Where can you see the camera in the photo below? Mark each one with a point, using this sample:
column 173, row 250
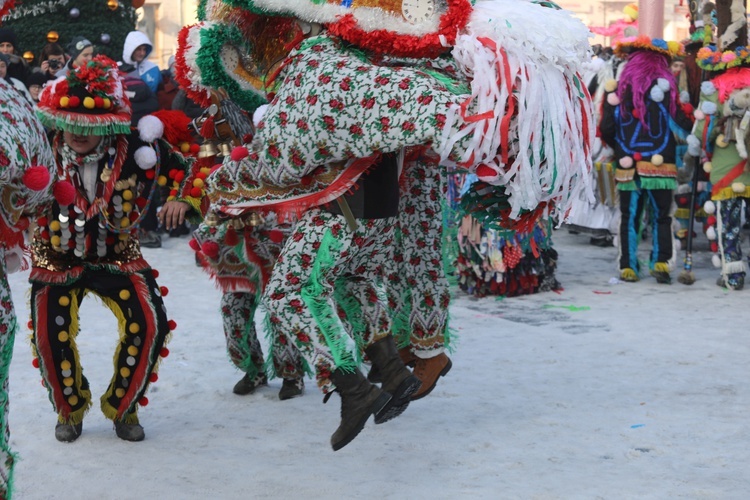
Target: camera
column 54, row 64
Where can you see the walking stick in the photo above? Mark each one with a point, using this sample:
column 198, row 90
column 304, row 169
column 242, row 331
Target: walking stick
column 687, row 276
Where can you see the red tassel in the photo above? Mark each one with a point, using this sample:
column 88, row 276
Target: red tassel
column 207, row 129
column 231, row 238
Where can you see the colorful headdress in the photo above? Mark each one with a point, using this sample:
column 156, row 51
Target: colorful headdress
column 629, row 45
column 710, row 58
column 90, row 100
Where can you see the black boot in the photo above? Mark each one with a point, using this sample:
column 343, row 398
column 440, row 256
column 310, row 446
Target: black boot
column 67, row 433
column 291, row 388
column 129, row 432
column 359, row 400
column 397, row 379
column 248, row 384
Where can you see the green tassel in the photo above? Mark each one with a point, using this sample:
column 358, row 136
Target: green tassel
column 627, row 186
column 353, row 311
column 652, row 183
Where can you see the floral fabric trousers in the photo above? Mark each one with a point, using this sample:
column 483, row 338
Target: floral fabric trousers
column 418, row 291
column 729, row 225
column 326, row 290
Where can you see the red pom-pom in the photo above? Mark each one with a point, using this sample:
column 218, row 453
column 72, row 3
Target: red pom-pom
column 172, row 324
column 193, row 243
column 173, row 192
column 201, row 176
column 41, row 221
column 179, row 176
column 150, row 174
column 164, row 352
column 231, row 238
column 194, row 148
column 141, row 202
column 172, row 173
column 711, row 220
column 164, row 291
column 636, row 114
column 714, row 246
column 45, row 234
column 682, row 200
column 485, row 171
column 98, row 102
column 196, row 192
column 64, row 193
column 36, row 178
column 210, row 249
column 637, row 156
column 155, row 273
column 143, row 401
column 275, row 235
column 30, row 325
column 153, row 377
column 133, row 216
column 74, row 101
column 239, row 153
column 35, row 362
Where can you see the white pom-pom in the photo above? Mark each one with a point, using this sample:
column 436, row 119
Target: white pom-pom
column 716, row 261
column 707, row 167
column 684, row 97
column 657, row 160
column 613, row 100
column 711, row 233
column 258, row 114
column 708, row 88
column 699, row 115
column 657, row 94
column 708, row 107
column 721, row 141
column 626, row 162
column 150, row 128
column 683, row 189
column 610, row 85
column 709, row 207
column 738, row 187
column 145, row 157
column 663, row 84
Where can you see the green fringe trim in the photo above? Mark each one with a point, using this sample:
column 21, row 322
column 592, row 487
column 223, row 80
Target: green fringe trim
column 109, row 126
column 324, row 315
column 353, row 310
column 627, row 186
column 658, row 183
column 455, row 87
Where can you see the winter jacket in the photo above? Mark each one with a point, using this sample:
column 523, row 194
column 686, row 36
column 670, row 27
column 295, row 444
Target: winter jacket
column 145, row 70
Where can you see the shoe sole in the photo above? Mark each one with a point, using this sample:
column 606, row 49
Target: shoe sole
column 402, row 396
column 377, row 406
column 429, row 389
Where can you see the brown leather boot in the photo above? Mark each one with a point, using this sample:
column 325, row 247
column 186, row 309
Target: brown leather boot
column 397, row 379
column 428, row 371
column 407, row 357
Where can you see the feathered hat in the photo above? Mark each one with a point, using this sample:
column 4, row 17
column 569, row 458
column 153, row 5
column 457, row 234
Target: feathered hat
column 631, row 44
column 710, row 58
column 89, row 101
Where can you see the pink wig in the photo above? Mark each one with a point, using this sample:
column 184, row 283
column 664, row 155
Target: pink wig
column 640, row 74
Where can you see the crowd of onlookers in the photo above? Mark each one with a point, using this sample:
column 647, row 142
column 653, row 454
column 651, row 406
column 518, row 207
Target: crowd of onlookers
column 149, row 88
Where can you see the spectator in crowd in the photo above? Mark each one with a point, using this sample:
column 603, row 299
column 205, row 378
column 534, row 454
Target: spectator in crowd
column 80, row 51
column 51, row 60
column 17, row 66
column 135, row 52
column 168, row 87
column 36, row 81
column 15, row 82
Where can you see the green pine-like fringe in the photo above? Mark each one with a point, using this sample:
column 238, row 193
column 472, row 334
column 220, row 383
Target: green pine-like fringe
column 353, row 311
column 109, row 126
column 326, row 318
column 627, row 186
column 658, row 183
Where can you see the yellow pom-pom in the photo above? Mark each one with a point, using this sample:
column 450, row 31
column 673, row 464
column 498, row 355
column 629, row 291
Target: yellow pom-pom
column 127, row 195
column 674, row 47
column 54, row 225
column 161, row 180
column 707, row 167
column 738, row 187
column 125, row 372
column 205, row 170
column 88, row 103
column 68, row 381
column 64, row 101
column 198, row 183
column 63, row 336
column 657, row 160
column 721, row 142
column 64, row 301
column 55, row 240
column 120, row 392
column 185, row 147
column 73, row 400
column 124, row 222
column 127, row 207
column 107, row 103
column 134, row 328
column 65, row 365
column 610, row 85
column 132, row 350
column 123, row 237
column 631, row 10
column 124, row 294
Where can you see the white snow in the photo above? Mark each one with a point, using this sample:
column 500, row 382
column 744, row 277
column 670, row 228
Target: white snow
column 644, row 395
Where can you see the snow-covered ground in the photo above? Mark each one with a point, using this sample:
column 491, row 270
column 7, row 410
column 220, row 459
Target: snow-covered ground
column 601, row 391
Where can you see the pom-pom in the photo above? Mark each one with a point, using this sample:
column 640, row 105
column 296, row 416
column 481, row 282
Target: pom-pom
column 663, row 84
column 64, row 193
column 613, row 100
column 713, row 246
column 193, row 243
column 35, row 362
column 626, row 162
column 694, row 145
column 716, row 261
column 657, row 94
column 711, row 220
column 258, row 114
column 210, row 249
column 699, row 115
column 143, row 401
column 685, row 97
column 172, row 325
column 708, row 88
column 711, row 233
column 155, row 273
column 657, row 160
column 153, row 378
column 275, row 235
column 239, row 153
column 164, row 291
column 610, row 85
column 708, row 107
column 738, row 187
column 74, row 101
column 709, row 207
column 637, row 156
column 145, row 157
column 36, row 178
column 150, row 128
column 707, row 167
column 194, row 148
column 195, row 192
column 721, row 141
column 164, row 352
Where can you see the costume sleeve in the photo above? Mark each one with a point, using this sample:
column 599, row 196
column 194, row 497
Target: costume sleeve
column 608, row 125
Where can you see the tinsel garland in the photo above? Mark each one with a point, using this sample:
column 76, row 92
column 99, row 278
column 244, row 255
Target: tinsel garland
column 37, row 9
